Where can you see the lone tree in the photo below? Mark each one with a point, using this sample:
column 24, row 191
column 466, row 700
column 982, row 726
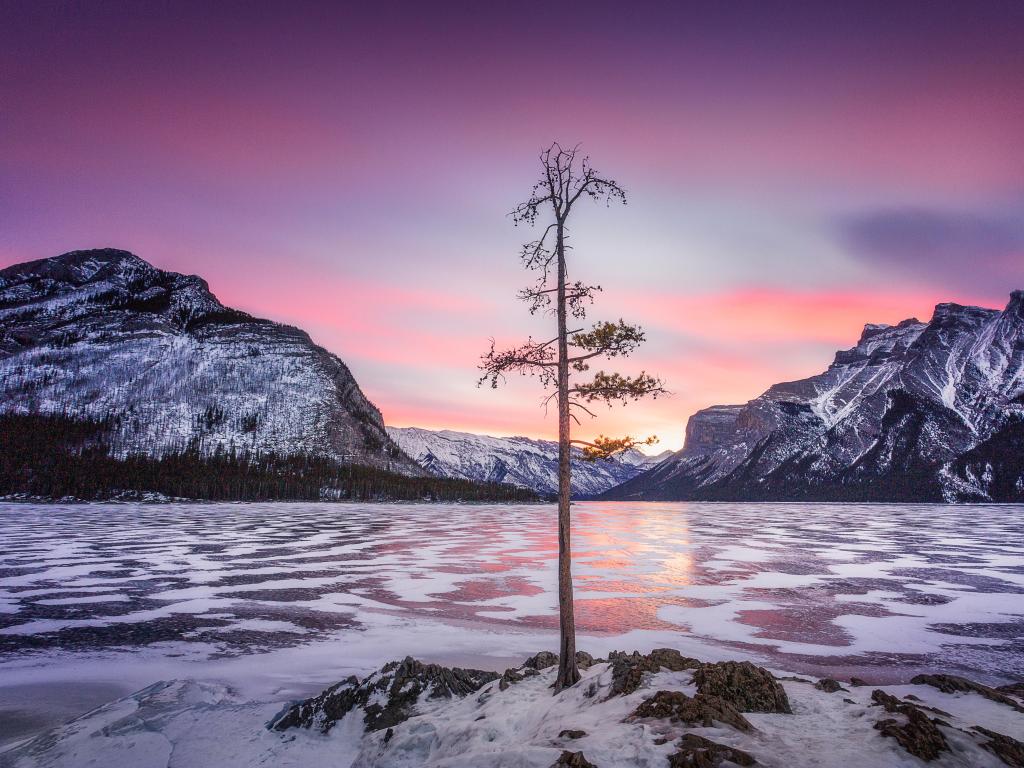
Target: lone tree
column 566, row 178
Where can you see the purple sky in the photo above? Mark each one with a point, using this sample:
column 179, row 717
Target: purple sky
column 795, row 170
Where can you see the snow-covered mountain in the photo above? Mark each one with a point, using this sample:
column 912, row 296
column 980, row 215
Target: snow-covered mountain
column 102, row 333
column 518, row 461
column 915, row 411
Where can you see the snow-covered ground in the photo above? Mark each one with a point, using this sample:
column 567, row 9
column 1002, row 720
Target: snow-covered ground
column 261, row 604
column 194, row 725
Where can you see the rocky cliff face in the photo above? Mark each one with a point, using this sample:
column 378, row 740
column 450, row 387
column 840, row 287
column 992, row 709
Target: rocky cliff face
column 518, row 461
column 102, row 333
column 916, row 411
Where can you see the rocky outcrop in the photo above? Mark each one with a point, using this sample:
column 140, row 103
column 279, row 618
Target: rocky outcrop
column 628, row 669
column 702, row 709
column 386, row 698
column 1006, row 748
column 1013, row 689
column 697, row 752
column 916, row 733
column 747, row 687
column 541, row 660
column 955, row 684
column 572, row 760
column 828, row 685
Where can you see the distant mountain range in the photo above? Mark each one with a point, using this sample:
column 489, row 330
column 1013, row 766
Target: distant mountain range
column 102, row 333
column 914, row 412
column 518, row 461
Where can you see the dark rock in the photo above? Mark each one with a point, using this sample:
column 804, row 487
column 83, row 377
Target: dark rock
column 705, row 709
column 570, row 733
column 627, row 673
column 747, row 687
column 1014, row 689
column 1007, row 749
column 671, row 659
column 889, row 702
column 584, row 660
column 697, row 752
column 955, row 684
column 572, row 760
column 919, row 735
column 509, row 677
column 856, row 682
column 542, row 660
column 401, row 684
column 546, row 660
column 322, row 711
column 892, row 704
column 828, row 685
column 628, row 669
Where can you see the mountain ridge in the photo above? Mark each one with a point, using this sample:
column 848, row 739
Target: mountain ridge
column 917, row 411
column 521, row 461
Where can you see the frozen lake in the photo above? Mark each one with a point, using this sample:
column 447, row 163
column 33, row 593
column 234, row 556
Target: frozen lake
column 283, row 598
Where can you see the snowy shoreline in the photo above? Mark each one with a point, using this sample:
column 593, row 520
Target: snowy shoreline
column 634, row 710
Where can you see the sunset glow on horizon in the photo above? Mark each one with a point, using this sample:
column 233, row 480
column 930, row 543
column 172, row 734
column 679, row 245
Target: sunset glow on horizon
column 793, row 173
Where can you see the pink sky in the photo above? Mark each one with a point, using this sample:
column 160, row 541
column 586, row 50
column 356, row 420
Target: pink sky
column 793, row 172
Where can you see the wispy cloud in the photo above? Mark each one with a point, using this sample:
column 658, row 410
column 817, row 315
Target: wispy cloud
column 962, row 251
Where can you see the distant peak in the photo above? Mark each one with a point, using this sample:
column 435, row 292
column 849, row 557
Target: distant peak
column 950, row 311
column 103, row 255
column 872, row 330
column 81, row 267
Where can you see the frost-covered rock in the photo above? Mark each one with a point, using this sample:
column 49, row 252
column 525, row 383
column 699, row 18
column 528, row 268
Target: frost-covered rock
column 914, row 412
column 744, row 685
column 698, row 752
column 103, row 333
column 915, row 731
column 519, row 461
column 702, row 709
column 957, row 684
column 385, row 698
column 628, row 669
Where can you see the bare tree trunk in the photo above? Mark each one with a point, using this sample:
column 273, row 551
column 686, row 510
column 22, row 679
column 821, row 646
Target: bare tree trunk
column 568, row 673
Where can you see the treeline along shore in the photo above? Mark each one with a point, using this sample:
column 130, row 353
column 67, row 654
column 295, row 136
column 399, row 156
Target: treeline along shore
column 51, row 456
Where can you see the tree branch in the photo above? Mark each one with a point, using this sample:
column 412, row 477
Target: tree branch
column 609, row 387
column 530, row 359
column 607, row 447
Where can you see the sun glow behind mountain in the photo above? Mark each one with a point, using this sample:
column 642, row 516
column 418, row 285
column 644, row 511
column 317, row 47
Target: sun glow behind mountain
column 351, row 172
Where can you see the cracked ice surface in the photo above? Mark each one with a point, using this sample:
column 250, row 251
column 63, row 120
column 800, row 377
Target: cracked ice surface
column 280, row 597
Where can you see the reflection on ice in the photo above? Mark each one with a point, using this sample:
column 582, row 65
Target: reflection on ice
column 868, row 585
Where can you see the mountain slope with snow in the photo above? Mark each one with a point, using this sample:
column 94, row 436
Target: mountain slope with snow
column 519, row 461
column 914, row 412
column 102, row 333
